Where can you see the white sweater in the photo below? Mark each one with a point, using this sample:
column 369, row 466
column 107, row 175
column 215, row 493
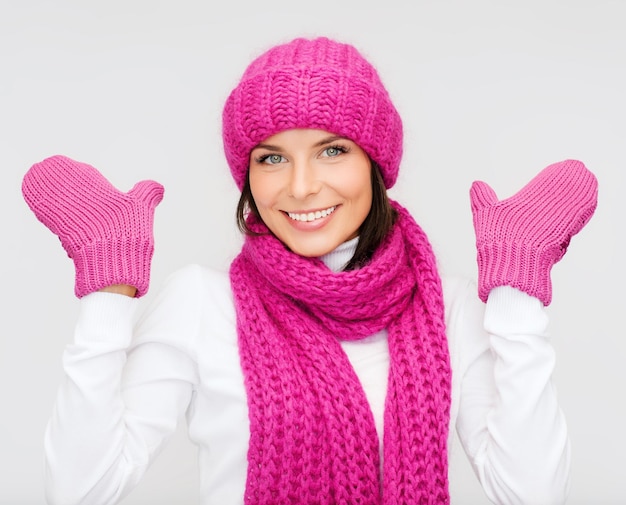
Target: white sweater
column 127, row 386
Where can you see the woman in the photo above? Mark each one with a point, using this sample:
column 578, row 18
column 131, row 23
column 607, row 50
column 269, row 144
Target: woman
column 332, row 364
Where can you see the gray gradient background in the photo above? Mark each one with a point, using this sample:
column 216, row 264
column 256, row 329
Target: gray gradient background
column 488, row 90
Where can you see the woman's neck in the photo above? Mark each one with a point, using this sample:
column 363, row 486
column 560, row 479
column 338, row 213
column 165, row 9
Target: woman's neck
column 337, row 259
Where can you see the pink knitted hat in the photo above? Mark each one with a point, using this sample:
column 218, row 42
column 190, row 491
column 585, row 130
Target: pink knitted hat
column 319, row 84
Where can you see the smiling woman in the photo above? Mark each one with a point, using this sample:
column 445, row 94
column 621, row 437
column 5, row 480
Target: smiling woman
column 373, row 228
column 312, row 189
column 332, row 363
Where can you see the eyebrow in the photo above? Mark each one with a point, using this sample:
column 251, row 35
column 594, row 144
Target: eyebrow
column 322, row 142
column 269, row 147
column 329, row 140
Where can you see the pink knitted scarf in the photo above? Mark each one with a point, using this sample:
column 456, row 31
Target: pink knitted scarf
column 312, row 433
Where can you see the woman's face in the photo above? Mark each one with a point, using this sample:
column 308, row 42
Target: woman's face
column 311, row 188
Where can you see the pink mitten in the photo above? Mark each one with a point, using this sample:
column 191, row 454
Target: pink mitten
column 520, row 238
column 107, row 233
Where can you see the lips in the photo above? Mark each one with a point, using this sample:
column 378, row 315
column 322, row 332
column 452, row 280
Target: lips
column 312, row 215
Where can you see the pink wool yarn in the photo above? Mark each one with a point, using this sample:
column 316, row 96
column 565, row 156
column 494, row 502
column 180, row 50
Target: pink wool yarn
column 317, row 83
column 312, row 433
column 107, row 233
column 519, row 239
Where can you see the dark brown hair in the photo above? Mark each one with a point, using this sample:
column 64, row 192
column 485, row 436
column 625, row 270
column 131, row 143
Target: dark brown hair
column 373, row 230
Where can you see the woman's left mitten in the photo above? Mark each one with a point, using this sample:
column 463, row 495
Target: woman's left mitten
column 519, row 239
column 108, row 234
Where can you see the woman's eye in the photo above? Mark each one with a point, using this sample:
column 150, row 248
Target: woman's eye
column 333, row 151
column 271, row 159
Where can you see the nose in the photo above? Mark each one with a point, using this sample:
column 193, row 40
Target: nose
column 303, row 180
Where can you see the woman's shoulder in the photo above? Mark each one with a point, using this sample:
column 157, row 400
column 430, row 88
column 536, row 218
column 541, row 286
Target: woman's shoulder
column 457, row 289
column 193, row 301
column 464, row 310
column 195, row 289
column 199, row 276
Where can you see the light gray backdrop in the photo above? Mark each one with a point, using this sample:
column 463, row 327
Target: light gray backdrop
column 488, row 90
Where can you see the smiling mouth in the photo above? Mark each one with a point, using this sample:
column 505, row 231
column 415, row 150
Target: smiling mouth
column 311, row 216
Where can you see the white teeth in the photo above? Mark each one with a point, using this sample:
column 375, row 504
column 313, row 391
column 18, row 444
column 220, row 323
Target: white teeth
column 311, row 216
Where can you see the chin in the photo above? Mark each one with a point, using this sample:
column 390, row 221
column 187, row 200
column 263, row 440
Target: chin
column 311, row 250
column 308, row 252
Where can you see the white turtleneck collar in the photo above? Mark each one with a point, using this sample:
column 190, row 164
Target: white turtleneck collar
column 337, row 259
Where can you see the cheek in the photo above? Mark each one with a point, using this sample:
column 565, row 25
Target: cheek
column 365, row 202
column 363, row 194
column 261, row 189
column 356, row 185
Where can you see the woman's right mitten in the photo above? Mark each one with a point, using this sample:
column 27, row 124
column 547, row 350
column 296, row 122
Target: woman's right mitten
column 107, row 233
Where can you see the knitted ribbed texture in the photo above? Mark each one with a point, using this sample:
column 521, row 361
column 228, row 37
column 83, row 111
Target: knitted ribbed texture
column 319, row 84
column 312, row 433
column 107, row 233
column 519, row 239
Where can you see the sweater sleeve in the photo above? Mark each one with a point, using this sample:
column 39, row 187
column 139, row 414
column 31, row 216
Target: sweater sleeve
column 509, row 421
column 124, row 391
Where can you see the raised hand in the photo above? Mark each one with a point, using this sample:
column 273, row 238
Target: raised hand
column 107, row 233
column 519, row 239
